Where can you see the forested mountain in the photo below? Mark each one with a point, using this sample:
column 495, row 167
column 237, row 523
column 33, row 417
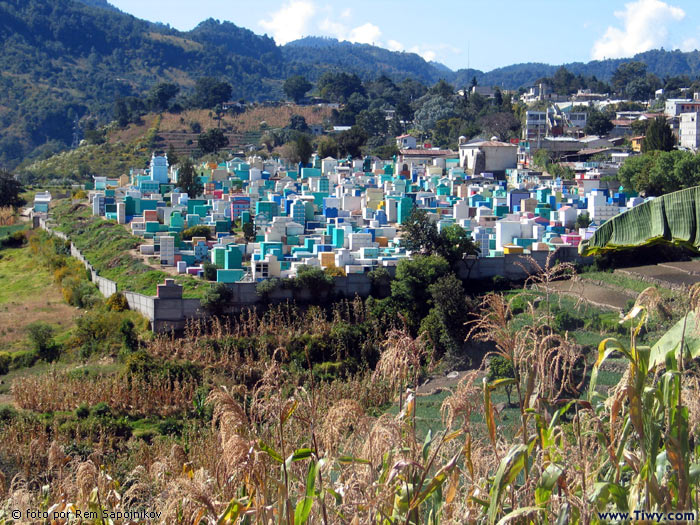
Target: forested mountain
column 65, row 62
column 312, row 56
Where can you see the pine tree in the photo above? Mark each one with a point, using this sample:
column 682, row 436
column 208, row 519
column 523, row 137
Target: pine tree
column 659, row 136
column 188, row 180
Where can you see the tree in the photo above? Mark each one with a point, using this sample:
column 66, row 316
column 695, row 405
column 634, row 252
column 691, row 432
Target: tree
column 626, row 73
column 597, row 123
column 454, row 244
column 208, row 92
column 410, row 289
column 249, row 231
column 419, row 233
column 188, row 180
column 212, row 141
column 583, row 220
column 300, row 149
column 659, row 136
column 209, row 271
column 217, row 298
column 41, row 335
column 327, row 147
column 172, row 156
column 373, row 121
column 160, row 96
column 121, row 113
column 444, row 325
column 10, row 189
column 338, row 87
column 503, row 124
column 350, row 141
column 298, row 123
column 295, row 87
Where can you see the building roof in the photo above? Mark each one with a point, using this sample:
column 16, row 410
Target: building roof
column 404, row 136
column 487, row 144
column 426, row 152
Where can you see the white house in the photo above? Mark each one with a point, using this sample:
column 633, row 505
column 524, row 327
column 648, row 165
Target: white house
column 487, row 156
column 406, row 142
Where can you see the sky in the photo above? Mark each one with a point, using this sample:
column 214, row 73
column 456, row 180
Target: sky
column 458, row 33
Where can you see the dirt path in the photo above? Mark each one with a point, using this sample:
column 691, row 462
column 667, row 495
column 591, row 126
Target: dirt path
column 437, row 383
column 676, row 276
column 592, row 293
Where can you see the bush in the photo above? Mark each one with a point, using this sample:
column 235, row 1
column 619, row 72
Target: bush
column 14, row 240
column 117, row 302
column 381, row 282
column 24, row 359
column 564, row 321
column 335, row 271
column 5, row 361
column 79, row 292
column 101, row 409
column 130, row 340
column 313, row 279
column 217, row 299
column 41, row 336
column 7, row 413
column 82, row 411
column 196, row 231
column 209, row 271
column 267, row 286
column 170, row 427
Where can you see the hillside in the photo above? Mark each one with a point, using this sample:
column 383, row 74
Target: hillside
column 65, row 62
column 131, row 147
column 312, row 56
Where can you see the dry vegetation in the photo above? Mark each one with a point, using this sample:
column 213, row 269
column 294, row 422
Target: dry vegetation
column 272, row 443
column 8, row 215
column 249, row 121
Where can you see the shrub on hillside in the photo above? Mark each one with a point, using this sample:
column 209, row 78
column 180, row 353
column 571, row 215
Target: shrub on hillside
column 41, row 336
column 5, row 361
column 14, row 240
column 117, row 302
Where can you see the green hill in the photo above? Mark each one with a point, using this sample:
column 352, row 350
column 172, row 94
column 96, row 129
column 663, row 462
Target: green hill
column 64, row 63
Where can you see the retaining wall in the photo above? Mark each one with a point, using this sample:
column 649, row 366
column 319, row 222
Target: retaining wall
column 172, row 312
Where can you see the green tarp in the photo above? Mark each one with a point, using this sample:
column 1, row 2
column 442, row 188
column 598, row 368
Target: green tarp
column 671, row 218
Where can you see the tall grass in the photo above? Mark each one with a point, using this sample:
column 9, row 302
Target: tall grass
column 284, row 448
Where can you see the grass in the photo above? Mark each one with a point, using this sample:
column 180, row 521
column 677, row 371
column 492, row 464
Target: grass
column 6, row 231
column 106, row 245
column 625, row 282
column 29, row 294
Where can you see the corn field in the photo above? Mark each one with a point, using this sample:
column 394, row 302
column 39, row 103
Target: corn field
column 288, row 449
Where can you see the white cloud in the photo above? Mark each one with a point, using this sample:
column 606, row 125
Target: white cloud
column 290, row 22
column 346, row 13
column 332, row 28
column 365, row 34
column 644, row 27
column 427, row 54
column 690, row 44
column 393, row 45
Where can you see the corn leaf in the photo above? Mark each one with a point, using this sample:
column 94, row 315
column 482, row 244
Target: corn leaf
column 303, row 508
column 509, row 468
column 270, row 451
column 519, row 514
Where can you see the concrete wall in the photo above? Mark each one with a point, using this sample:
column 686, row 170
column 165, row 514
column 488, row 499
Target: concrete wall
column 172, row 311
